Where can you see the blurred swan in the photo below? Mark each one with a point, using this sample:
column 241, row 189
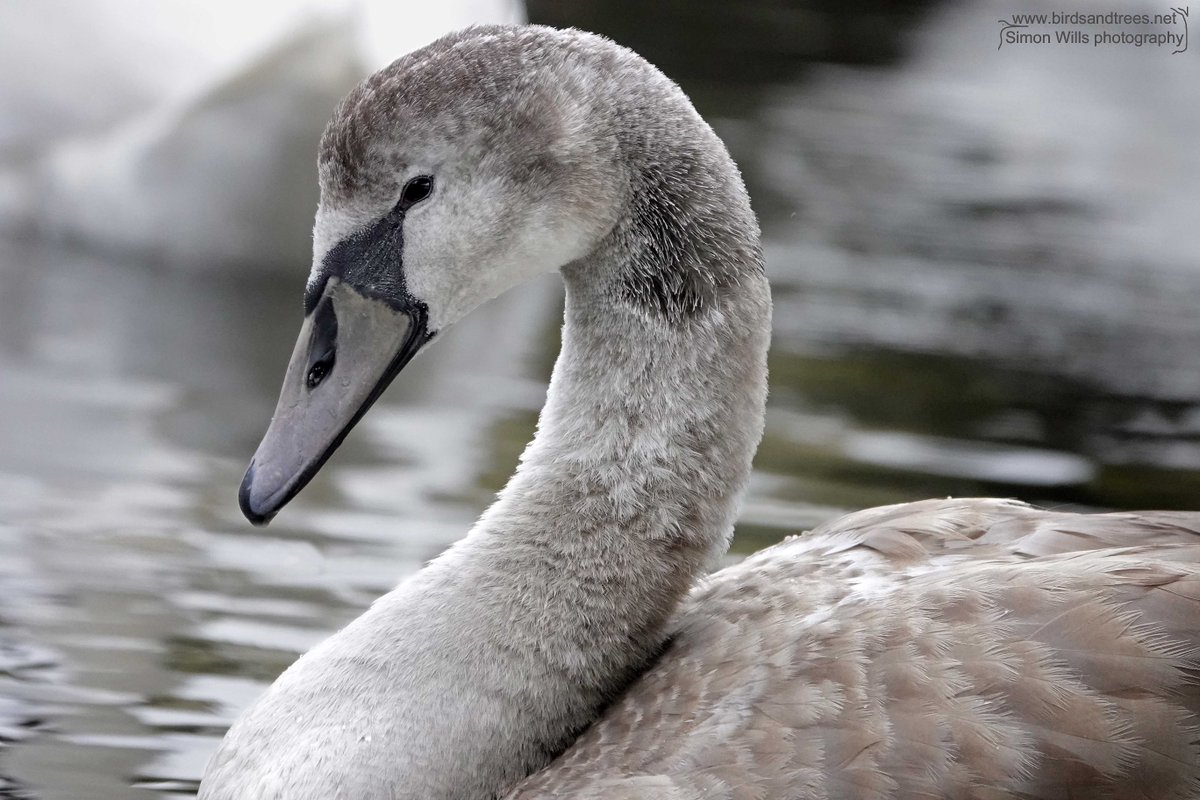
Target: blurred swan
column 570, row 646
column 220, row 175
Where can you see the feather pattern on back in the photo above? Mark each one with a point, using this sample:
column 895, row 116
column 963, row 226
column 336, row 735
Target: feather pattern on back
column 956, row 648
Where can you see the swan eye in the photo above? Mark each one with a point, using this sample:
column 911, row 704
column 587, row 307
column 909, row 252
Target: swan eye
column 416, row 190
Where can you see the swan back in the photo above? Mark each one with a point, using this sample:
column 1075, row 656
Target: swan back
column 957, row 648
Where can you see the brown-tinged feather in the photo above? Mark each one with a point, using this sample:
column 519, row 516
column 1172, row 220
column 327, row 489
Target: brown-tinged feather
column 961, row 648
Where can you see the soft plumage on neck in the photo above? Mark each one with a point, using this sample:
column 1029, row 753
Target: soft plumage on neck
column 487, row 663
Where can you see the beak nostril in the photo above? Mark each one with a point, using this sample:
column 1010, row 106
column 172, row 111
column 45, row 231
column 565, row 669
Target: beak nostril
column 317, row 373
column 322, row 344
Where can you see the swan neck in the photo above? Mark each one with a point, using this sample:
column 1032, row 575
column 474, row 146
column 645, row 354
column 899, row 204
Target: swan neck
column 644, row 446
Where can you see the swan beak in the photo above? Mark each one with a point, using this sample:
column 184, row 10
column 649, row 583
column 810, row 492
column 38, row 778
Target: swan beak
column 350, row 348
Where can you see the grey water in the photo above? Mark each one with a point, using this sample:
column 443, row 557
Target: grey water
column 986, row 281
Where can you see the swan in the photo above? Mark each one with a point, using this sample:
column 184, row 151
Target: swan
column 570, row 646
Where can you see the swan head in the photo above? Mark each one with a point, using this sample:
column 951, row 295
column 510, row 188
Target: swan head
column 456, row 173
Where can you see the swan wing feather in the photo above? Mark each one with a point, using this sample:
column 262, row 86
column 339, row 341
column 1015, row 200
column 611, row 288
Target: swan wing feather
column 953, row 648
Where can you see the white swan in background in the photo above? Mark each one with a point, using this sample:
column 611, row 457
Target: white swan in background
column 569, row 645
column 215, row 170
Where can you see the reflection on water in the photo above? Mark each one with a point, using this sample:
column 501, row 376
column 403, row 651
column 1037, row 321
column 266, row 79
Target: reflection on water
column 935, row 335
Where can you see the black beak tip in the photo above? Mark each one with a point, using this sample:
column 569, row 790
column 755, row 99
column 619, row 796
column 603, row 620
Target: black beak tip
column 257, row 515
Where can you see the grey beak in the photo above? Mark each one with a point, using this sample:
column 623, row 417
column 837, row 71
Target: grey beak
column 350, row 348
